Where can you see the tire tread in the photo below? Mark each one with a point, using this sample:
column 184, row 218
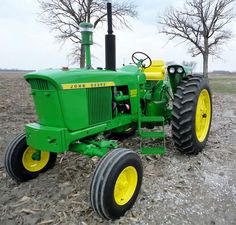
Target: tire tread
column 100, row 178
column 183, row 115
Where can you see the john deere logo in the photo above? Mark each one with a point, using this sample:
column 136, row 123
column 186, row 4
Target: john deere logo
column 87, row 85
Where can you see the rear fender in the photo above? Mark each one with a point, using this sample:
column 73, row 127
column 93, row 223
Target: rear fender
column 176, row 73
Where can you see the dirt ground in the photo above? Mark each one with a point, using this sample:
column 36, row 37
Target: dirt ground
column 177, row 189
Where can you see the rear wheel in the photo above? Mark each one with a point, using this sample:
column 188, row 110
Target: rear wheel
column 23, row 162
column 116, row 183
column 192, row 113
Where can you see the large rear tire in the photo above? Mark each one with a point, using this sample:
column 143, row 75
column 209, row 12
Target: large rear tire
column 21, row 163
column 116, row 183
column 192, row 114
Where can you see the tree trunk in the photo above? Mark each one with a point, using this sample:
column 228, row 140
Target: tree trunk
column 205, row 65
column 205, row 55
column 82, row 57
column 89, row 11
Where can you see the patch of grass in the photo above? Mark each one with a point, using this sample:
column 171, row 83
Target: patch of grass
column 224, row 85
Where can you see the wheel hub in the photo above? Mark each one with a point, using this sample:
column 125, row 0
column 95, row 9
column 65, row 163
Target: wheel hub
column 34, row 160
column 203, row 115
column 125, row 185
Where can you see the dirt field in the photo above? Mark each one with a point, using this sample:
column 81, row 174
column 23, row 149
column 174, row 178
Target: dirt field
column 177, row 189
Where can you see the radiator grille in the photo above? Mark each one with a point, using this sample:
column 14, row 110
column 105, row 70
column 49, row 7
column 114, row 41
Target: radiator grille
column 99, row 104
column 39, row 84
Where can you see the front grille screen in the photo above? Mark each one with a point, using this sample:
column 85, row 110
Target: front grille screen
column 99, row 104
column 39, row 84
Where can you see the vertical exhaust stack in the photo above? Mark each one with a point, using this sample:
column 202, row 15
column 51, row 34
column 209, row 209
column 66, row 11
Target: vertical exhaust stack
column 110, row 44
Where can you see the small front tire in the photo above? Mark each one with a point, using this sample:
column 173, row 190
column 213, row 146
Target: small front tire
column 116, row 183
column 21, row 163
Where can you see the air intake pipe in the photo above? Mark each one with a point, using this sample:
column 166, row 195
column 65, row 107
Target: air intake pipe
column 110, row 42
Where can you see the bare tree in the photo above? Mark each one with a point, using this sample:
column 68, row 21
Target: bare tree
column 202, row 24
column 64, row 17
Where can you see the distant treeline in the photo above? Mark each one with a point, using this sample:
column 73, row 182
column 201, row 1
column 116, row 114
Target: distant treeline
column 14, row 70
column 222, row 72
column 219, row 72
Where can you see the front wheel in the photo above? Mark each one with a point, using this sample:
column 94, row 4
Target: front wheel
column 116, row 183
column 24, row 163
column 192, row 114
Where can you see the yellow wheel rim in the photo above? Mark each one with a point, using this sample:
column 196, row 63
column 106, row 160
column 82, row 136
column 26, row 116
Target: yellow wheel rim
column 203, row 115
column 33, row 165
column 125, row 186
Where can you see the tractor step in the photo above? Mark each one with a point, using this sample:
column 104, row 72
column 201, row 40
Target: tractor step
column 150, row 151
column 160, row 134
column 152, row 119
column 152, row 134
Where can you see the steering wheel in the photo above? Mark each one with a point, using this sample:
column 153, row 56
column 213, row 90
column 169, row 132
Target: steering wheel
column 139, row 59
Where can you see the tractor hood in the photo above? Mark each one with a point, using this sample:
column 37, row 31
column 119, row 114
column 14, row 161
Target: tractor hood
column 76, row 99
column 61, row 79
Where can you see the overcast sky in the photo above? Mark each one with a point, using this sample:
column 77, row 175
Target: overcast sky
column 28, row 44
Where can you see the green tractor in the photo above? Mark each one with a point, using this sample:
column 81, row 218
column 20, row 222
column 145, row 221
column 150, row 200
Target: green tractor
column 75, row 105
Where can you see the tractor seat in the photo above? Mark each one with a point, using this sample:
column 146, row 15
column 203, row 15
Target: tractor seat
column 156, row 71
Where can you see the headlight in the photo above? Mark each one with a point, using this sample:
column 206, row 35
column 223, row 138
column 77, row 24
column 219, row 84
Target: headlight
column 180, row 70
column 171, row 70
